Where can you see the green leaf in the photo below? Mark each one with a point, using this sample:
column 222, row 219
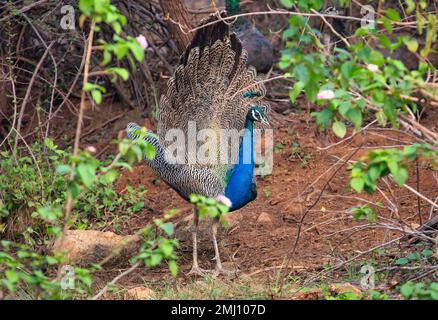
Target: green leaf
column 107, row 56
column 410, row 6
column 86, row 6
column 387, row 24
column 12, row 276
column 411, row 44
column 173, row 268
column 87, row 174
column 390, row 111
column 413, row 256
column 295, row 91
column 393, row 14
column 347, row 68
column 407, row 290
column 381, row 118
column 427, row 252
column 88, row 87
column 49, row 214
column 167, row 228
column 155, row 259
column 302, row 73
column 323, row 118
column 357, row 184
column 49, row 143
column 51, row 260
column 355, row 116
column 286, row 3
column 63, row 169
column 166, row 247
column 109, row 177
column 74, row 189
column 401, row 261
column 121, row 72
column 117, row 27
column 401, row 176
column 376, row 58
column 121, row 49
column 136, row 50
column 360, row 32
column 149, row 151
column 339, row 129
column 97, row 96
column 138, row 206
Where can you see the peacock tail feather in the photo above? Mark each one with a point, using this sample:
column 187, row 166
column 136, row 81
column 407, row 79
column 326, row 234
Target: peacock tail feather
column 212, row 87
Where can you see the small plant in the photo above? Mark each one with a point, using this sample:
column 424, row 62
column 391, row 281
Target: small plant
column 364, row 212
column 380, row 163
column 62, row 189
column 420, row 290
column 157, row 248
column 346, row 295
column 376, row 295
column 297, row 153
column 22, row 267
column 278, row 148
column 210, row 207
column 415, row 257
column 359, row 81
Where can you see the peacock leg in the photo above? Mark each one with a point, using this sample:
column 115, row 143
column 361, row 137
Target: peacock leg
column 195, row 267
column 219, row 269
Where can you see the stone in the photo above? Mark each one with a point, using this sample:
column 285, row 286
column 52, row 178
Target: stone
column 264, row 219
column 309, row 294
column 91, row 246
column 339, row 288
column 139, row 293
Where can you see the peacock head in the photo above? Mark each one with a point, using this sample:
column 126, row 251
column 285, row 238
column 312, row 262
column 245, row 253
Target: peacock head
column 258, row 113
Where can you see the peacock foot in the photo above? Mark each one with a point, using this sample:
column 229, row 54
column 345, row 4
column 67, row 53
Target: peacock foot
column 198, row 271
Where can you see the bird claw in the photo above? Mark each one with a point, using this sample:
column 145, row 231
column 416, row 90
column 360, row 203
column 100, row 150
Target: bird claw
column 198, row 271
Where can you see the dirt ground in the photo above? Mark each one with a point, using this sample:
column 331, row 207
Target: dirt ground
column 262, row 234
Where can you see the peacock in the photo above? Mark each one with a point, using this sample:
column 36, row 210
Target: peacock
column 260, row 50
column 214, row 88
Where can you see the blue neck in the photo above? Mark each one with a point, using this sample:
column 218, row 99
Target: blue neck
column 240, row 189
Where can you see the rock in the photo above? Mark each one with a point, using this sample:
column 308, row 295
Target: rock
column 309, row 294
column 264, row 219
column 339, row 288
column 91, row 246
column 139, row 293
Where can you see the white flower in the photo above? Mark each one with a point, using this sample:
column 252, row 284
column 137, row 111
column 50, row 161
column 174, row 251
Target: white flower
column 91, row 149
column 325, row 95
column 373, row 67
column 142, row 41
column 224, row 200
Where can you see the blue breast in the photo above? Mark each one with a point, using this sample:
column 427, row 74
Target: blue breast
column 240, row 189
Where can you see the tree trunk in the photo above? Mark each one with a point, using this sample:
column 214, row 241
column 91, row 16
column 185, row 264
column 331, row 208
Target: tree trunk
column 177, row 18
